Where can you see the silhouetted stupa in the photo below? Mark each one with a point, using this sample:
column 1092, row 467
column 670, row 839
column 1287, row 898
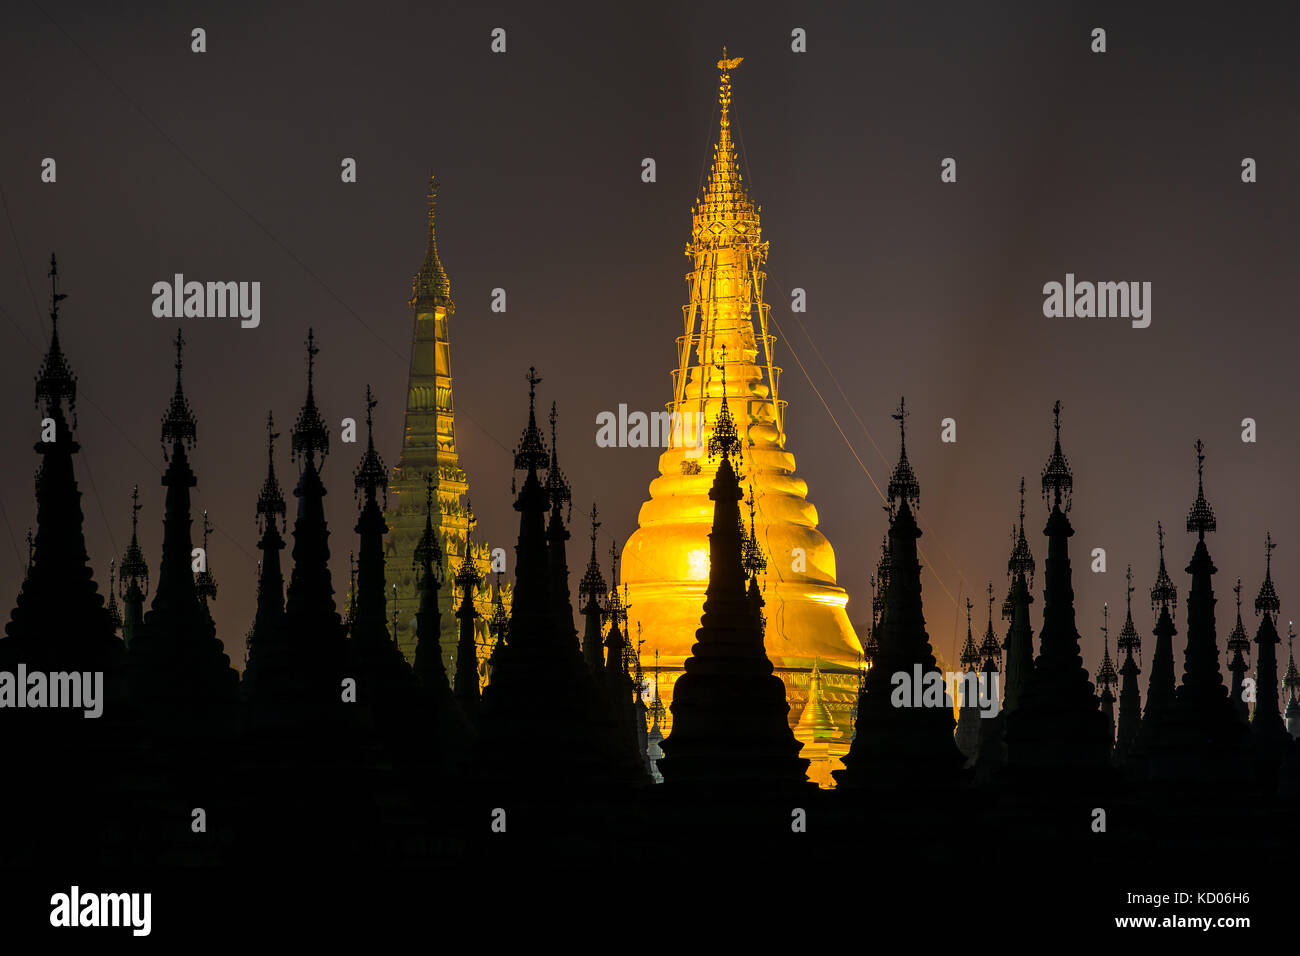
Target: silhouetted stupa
column 1107, row 679
column 904, row 733
column 730, row 716
column 1238, row 647
column 1130, row 703
column 1205, row 741
column 1056, row 726
column 178, row 670
column 539, row 674
column 968, row 715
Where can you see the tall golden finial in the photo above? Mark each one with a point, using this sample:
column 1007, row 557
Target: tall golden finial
column 431, row 287
column 725, row 205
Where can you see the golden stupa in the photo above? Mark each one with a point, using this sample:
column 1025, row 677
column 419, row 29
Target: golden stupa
column 666, row 561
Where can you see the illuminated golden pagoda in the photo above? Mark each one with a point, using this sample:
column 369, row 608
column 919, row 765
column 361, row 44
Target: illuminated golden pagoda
column 665, row 562
column 429, row 448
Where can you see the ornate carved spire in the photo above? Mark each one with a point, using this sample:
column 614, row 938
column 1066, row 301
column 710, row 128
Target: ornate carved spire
column 1164, row 596
column 178, row 424
column 1291, row 679
column 466, row 683
column 1238, row 647
column 1267, row 602
column 428, row 553
column 55, row 383
column 1022, row 560
column 468, row 577
column 1128, row 641
column 752, row 557
column 1266, row 725
column 615, row 611
column 270, row 502
column 593, row 583
column 1019, row 641
column 593, row 589
column 1107, row 676
column 725, row 212
column 1130, row 704
column 530, row 454
column 499, row 623
column 371, row 475
column 725, row 440
column 205, row 584
column 428, row 663
column 114, row 613
column 1200, row 518
column 557, row 486
column 1238, row 640
column 990, row 649
column 903, row 486
column 430, row 288
column 310, row 436
column 970, row 655
column 350, row 616
column 134, row 572
column 1057, row 477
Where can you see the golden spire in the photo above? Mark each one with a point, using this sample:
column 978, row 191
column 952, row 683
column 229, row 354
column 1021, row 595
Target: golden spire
column 725, row 211
column 430, row 287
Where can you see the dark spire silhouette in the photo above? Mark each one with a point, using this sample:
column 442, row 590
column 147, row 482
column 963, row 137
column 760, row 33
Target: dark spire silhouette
column 1267, row 728
column 655, row 735
column 114, row 613
column 270, row 515
column 1130, row 703
column 642, row 714
column 499, row 625
column 616, row 677
column 468, row 579
column 560, row 495
column 1205, row 740
column 1019, row 643
column 1057, row 726
column 991, row 755
column 1153, row 732
column 133, row 576
column 1107, row 676
column 593, row 589
column 205, row 582
column 384, row 679
column 430, row 668
column 541, row 671
column 530, row 618
column 350, row 616
column 879, row 588
column 1238, row 646
column 179, row 670
column 968, row 716
column 730, row 716
column 902, row 745
column 302, row 685
column 59, row 622
column 370, row 627
column 1291, row 683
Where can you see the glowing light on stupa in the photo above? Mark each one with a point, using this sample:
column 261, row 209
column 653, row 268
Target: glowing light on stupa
column 665, row 562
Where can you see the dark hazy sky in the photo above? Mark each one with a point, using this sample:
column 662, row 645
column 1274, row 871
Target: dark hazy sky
column 1122, row 166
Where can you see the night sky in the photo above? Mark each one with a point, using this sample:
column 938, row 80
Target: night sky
column 1123, row 166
